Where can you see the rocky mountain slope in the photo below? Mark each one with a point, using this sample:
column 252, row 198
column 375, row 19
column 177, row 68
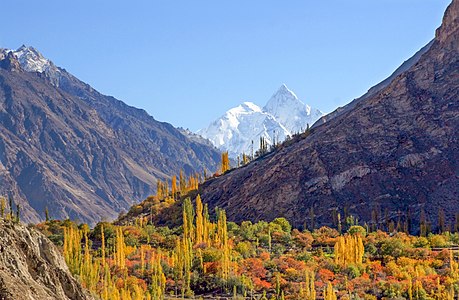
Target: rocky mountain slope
column 31, row 267
column 282, row 116
column 81, row 154
column 377, row 88
column 394, row 153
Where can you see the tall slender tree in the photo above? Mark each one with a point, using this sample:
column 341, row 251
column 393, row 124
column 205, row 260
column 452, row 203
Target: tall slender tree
column 225, row 166
column 2, row 206
column 199, row 221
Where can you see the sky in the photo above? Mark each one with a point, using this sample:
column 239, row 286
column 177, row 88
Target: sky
column 187, row 62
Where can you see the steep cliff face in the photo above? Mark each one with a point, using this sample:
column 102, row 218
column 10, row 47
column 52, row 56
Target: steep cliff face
column 396, row 151
column 31, row 267
column 81, row 154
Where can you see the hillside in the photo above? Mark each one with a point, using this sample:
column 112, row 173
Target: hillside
column 31, row 267
column 81, row 154
column 393, row 155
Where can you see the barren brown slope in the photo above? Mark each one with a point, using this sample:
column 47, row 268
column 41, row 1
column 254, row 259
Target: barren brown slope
column 396, row 150
column 81, row 154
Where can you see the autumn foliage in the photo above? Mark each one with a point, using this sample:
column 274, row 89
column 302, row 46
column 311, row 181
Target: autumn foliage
column 207, row 255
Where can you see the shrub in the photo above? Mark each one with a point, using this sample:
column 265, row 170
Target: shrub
column 353, row 230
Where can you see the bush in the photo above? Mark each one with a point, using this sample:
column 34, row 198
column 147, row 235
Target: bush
column 354, row 230
column 393, row 247
column 352, row 271
column 233, row 229
column 283, row 223
column 304, row 256
column 245, row 249
column 421, row 242
column 437, row 241
column 246, row 230
column 371, row 249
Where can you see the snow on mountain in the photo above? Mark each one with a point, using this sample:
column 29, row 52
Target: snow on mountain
column 241, row 125
column 283, row 115
column 31, row 60
column 288, row 110
column 195, row 137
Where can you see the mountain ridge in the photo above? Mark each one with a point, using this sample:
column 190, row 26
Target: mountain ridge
column 82, row 154
column 394, row 153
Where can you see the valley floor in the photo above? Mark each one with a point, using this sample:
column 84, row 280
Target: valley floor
column 216, row 259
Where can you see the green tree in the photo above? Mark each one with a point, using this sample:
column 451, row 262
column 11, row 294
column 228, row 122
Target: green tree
column 283, row 223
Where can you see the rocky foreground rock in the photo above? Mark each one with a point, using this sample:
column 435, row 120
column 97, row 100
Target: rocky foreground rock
column 31, row 267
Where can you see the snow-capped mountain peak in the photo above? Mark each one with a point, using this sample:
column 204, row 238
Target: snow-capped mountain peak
column 283, row 98
column 283, row 94
column 285, row 106
column 244, row 108
column 31, row 60
column 250, row 106
column 283, row 115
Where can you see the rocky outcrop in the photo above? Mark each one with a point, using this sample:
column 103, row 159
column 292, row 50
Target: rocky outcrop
column 9, row 62
column 31, row 267
column 395, row 152
column 81, row 154
column 448, row 32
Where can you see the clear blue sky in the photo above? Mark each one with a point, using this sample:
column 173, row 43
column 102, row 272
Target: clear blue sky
column 186, row 62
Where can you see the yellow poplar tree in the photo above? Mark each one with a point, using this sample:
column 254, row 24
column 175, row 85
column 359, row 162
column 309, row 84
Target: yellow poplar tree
column 142, row 259
column 120, row 257
column 182, row 182
column 410, row 287
column 2, row 206
column 102, row 237
column 178, row 262
column 207, row 226
column 349, row 250
column 329, row 293
column 72, row 249
column 158, row 279
column 199, row 221
column 223, row 244
column 174, row 186
column 225, row 162
column 309, row 290
column 188, row 218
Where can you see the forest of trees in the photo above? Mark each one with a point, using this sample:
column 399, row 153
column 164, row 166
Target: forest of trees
column 208, row 256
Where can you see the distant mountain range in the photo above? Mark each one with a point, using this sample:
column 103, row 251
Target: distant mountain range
column 240, row 128
column 83, row 155
column 390, row 156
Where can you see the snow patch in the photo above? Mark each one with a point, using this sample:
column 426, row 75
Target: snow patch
column 31, row 60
